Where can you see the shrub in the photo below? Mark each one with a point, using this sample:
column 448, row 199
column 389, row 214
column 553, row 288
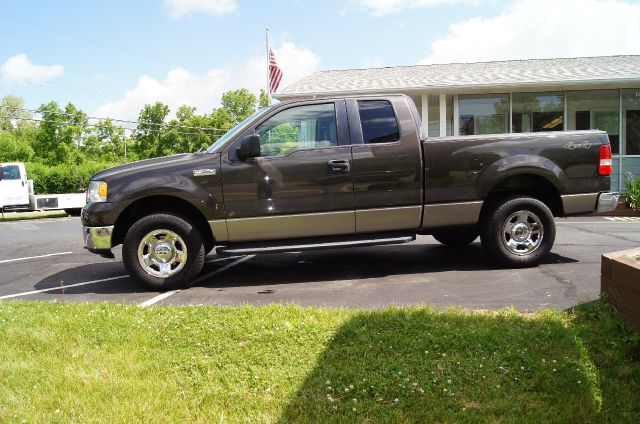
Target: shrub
column 64, row 178
column 632, row 187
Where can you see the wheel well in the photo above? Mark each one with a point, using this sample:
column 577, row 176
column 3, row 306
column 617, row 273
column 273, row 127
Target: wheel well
column 159, row 204
column 530, row 185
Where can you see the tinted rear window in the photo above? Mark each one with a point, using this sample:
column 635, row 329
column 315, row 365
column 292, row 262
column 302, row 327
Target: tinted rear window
column 378, row 121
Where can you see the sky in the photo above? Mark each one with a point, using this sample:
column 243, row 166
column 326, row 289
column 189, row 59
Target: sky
column 110, row 58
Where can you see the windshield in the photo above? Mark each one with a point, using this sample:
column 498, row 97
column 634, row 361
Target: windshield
column 233, row 131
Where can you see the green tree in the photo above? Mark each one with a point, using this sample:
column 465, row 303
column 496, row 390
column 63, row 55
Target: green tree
column 148, row 136
column 12, row 117
column 60, row 134
column 240, row 104
column 13, row 147
column 263, row 99
column 105, row 142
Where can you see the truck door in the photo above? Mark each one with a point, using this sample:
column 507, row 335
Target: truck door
column 14, row 190
column 387, row 164
column 300, row 185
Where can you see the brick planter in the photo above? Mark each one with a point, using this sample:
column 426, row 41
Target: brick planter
column 620, row 279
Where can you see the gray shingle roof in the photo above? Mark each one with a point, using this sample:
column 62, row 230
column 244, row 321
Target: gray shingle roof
column 468, row 75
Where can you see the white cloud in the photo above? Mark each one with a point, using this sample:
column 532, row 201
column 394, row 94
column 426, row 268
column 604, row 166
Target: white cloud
column 385, row 7
column 20, row 70
column 204, row 91
column 530, row 29
column 180, row 8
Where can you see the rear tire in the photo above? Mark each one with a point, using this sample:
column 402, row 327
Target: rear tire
column 163, row 251
column 518, row 231
column 456, row 237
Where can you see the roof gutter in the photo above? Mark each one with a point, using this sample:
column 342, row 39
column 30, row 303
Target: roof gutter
column 458, row 89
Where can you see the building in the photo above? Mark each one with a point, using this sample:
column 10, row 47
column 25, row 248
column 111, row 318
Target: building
column 508, row 96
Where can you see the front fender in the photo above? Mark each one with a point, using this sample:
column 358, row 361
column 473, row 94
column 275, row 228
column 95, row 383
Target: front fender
column 179, row 186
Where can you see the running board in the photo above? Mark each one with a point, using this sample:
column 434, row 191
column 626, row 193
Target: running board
column 303, row 245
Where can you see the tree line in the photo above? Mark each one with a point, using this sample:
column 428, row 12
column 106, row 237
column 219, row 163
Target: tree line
column 56, row 135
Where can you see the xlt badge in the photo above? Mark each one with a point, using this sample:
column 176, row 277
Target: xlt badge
column 203, row 172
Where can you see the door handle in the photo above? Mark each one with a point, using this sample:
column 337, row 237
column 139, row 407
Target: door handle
column 338, row 166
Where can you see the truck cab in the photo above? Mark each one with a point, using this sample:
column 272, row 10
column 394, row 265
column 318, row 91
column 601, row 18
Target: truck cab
column 14, row 189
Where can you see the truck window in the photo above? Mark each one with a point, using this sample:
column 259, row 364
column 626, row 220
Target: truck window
column 378, row 121
column 10, row 172
column 299, row 128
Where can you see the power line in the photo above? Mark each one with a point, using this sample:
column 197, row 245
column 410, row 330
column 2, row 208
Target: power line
column 57, row 85
column 41, row 112
column 149, row 130
column 97, row 42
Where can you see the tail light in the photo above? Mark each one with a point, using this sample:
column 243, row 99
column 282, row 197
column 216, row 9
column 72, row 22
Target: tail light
column 604, row 167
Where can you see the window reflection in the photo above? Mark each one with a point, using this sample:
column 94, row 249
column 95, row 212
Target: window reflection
column 595, row 110
column 483, row 114
column 533, row 112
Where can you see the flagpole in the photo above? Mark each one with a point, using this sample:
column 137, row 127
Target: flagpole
column 268, row 68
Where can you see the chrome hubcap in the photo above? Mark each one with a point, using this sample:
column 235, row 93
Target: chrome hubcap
column 162, row 253
column 522, row 233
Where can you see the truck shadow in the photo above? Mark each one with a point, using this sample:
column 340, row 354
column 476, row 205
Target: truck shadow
column 290, row 268
column 362, row 263
column 408, row 365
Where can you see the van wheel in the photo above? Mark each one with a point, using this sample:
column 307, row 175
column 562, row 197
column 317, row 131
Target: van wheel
column 456, row 236
column 518, row 231
column 163, row 251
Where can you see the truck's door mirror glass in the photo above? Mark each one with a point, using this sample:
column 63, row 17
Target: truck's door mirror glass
column 249, row 147
column 299, row 128
column 379, row 124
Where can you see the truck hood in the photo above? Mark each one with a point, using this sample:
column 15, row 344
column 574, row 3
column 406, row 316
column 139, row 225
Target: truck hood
column 145, row 164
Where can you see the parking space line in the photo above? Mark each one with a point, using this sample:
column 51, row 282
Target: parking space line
column 34, row 257
column 36, row 221
column 165, row 295
column 9, row 296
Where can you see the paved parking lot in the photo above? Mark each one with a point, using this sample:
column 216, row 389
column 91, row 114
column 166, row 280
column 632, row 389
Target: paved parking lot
column 45, row 260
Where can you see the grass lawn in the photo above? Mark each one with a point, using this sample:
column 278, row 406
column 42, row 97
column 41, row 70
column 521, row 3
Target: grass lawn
column 122, row 364
column 32, row 215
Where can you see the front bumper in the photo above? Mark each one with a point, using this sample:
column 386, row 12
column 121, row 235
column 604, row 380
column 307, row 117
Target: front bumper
column 607, row 201
column 97, row 239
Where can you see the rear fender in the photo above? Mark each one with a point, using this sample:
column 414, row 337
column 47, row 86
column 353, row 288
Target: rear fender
column 521, row 165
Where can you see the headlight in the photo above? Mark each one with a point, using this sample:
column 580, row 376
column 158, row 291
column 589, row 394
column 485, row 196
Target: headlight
column 97, row 192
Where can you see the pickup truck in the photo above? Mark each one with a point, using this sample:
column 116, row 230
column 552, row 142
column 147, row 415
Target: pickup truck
column 344, row 172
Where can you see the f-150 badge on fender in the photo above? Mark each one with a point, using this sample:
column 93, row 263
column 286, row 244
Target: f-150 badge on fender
column 203, row 172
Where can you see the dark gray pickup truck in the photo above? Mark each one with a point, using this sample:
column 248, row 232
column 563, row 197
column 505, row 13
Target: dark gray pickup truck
column 344, row 172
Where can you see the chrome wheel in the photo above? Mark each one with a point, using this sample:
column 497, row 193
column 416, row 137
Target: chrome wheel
column 162, row 253
column 522, row 232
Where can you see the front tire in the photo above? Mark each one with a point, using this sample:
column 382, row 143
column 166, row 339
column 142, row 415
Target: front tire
column 163, row 251
column 518, row 231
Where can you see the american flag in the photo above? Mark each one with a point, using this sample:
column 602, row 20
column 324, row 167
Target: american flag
column 275, row 73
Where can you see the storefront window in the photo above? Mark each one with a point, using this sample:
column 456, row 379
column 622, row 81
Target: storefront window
column 483, row 114
column 434, row 115
column 595, row 110
column 533, row 112
column 631, row 120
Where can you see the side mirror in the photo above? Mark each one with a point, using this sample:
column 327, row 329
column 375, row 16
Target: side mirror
column 1, row 173
column 249, row 147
